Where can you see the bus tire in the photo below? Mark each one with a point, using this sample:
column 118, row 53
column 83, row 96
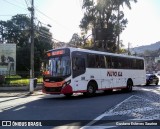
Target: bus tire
column 91, row 89
column 129, row 85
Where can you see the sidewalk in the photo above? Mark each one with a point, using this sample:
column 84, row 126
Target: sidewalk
column 19, row 91
column 4, row 94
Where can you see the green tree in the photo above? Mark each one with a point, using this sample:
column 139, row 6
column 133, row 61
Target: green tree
column 17, row 30
column 120, row 22
column 103, row 14
column 99, row 16
column 76, row 40
column 43, row 42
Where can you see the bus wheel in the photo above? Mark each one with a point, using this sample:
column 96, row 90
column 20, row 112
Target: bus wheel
column 91, row 89
column 129, row 86
column 68, row 94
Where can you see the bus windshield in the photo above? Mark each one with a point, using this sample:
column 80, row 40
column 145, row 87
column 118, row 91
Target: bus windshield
column 59, row 66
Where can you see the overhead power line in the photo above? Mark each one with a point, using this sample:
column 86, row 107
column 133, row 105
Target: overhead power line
column 6, row 15
column 15, row 5
column 26, row 3
column 64, row 27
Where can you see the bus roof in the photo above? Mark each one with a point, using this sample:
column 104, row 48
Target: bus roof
column 97, row 52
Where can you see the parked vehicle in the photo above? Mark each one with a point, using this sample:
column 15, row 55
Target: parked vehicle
column 158, row 73
column 152, row 79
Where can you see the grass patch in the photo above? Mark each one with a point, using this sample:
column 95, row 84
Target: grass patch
column 17, row 80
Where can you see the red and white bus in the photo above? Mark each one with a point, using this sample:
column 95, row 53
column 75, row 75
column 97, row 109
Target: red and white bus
column 75, row 70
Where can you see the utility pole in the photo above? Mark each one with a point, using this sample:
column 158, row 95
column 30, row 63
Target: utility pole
column 31, row 88
column 118, row 42
column 129, row 49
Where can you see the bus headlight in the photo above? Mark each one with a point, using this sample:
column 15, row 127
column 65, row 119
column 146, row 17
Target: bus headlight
column 66, row 83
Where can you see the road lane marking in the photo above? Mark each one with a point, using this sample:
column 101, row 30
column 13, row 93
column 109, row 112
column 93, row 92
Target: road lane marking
column 14, row 103
column 120, row 104
column 17, row 109
column 8, row 99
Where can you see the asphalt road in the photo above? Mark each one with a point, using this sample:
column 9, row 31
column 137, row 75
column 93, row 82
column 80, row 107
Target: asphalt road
column 132, row 110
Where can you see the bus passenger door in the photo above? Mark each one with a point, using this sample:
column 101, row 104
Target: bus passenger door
column 78, row 70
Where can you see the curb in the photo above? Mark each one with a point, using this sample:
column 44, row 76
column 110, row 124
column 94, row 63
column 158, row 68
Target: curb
column 19, row 88
column 20, row 93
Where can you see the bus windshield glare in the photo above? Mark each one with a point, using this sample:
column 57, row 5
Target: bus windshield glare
column 59, row 66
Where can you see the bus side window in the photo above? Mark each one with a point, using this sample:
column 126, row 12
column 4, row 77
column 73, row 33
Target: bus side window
column 130, row 63
column 78, row 63
column 91, row 61
column 134, row 64
column 78, row 66
column 125, row 63
column 120, row 62
column 102, row 61
column 97, row 63
column 114, row 62
column 81, row 63
column 140, row 64
column 108, row 62
column 74, row 63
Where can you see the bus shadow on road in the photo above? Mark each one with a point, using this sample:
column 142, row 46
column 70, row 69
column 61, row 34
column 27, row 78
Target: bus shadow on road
column 77, row 96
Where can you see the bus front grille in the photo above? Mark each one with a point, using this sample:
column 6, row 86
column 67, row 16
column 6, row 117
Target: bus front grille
column 52, row 89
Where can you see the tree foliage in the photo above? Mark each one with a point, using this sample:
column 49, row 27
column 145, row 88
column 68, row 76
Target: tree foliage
column 105, row 14
column 17, row 30
column 76, row 40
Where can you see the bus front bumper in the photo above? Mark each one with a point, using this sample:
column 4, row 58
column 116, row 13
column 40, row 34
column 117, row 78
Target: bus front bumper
column 57, row 90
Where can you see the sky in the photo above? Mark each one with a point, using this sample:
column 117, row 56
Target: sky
column 65, row 15
column 143, row 23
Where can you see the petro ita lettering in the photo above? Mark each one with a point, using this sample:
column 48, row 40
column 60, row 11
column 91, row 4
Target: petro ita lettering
column 114, row 73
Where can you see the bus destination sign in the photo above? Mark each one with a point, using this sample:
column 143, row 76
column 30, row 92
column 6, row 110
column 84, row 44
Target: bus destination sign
column 55, row 53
